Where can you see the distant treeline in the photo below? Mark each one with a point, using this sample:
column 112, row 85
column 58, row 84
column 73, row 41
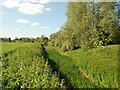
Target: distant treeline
column 42, row 39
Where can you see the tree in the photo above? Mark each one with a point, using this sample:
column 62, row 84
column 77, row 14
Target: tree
column 107, row 21
column 5, row 39
column 89, row 24
column 43, row 40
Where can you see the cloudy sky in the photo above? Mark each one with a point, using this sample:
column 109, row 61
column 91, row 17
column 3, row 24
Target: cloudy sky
column 31, row 18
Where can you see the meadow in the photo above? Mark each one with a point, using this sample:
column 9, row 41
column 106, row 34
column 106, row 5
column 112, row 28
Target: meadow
column 95, row 68
column 31, row 65
column 78, row 50
column 10, row 46
column 27, row 67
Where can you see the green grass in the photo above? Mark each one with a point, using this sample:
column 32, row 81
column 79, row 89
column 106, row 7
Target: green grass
column 95, row 67
column 10, row 46
column 80, row 69
column 27, row 67
column 67, row 69
column 100, row 64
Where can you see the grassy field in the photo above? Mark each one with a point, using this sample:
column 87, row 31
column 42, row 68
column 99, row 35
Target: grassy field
column 67, row 69
column 99, row 65
column 27, row 67
column 10, row 46
column 93, row 68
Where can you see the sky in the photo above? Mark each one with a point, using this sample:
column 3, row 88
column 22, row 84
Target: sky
column 31, row 18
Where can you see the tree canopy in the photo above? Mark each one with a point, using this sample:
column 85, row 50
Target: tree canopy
column 89, row 24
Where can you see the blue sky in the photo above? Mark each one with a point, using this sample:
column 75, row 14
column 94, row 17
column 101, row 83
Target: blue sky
column 29, row 18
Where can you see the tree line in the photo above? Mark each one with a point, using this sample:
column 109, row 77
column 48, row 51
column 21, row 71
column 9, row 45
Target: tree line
column 88, row 25
column 43, row 40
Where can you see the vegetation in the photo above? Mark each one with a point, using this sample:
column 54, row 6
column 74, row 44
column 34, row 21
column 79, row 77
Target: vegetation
column 41, row 39
column 10, row 46
column 28, row 70
column 96, row 68
column 99, row 65
column 88, row 25
column 82, row 54
column 67, row 69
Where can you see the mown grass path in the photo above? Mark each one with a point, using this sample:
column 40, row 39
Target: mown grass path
column 67, row 69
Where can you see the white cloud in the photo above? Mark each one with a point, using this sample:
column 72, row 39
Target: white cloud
column 39, row 1
column 45, row 27
column 34, row 24
column 44, row 1
column 30, row 8
column 17, row 29
column 48, row 9
column 23, row 21
column 11, row 3
column 2, row 13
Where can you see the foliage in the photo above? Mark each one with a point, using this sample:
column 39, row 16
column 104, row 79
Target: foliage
column 24, row 39
column 43, row 40
column 68, row 69
column 5, row 39
column 100, row 65
column 89, row 25
column 27, row 68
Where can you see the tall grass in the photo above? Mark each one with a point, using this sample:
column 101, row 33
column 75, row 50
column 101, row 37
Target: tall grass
column 100, row 65
column 27, row 67
column 67, row 69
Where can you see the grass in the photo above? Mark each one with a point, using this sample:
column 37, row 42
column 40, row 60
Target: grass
column 10, row 46
column 94, row 68
column 67, row 69
column 91, row 68
column 100, row 64
column 27, row 67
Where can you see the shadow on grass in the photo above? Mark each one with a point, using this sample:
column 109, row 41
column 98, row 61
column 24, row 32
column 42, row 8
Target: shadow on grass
column 67, row 70
column 56, row 68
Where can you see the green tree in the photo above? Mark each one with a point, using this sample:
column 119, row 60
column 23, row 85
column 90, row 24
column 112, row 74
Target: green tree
column 43, row 40
column 89, row 25
column 107, row 19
